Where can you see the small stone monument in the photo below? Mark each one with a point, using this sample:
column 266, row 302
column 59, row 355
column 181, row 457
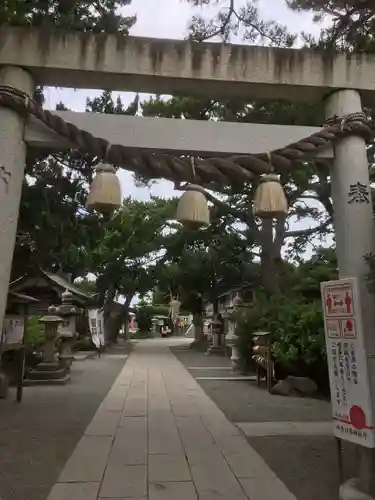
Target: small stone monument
column 50, row 370
column 231, row 336
column 218, row 344
column 67, row 329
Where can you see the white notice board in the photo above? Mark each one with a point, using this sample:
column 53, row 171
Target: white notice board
column 13, row 329
column 347, row 362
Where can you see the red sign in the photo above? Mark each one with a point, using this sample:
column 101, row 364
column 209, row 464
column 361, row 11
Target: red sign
column 338, row 300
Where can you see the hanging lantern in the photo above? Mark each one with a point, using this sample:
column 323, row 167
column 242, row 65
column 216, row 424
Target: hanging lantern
column 192, row 208
column 270, row 200
column 105, row 191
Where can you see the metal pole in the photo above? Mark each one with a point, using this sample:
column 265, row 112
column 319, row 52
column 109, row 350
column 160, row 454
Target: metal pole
column 12, row 166
column 354, row 229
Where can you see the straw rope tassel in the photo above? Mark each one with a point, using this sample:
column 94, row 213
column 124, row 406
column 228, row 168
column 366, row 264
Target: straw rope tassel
column 105, row 191
column 192, row 209
column 270, row 200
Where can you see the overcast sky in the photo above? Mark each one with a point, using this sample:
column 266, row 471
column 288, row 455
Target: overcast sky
column 169, row 19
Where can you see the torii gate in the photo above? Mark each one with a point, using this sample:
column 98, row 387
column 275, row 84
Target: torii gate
column 31, row 56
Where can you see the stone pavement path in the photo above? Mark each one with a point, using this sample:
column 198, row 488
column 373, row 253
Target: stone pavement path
column 158, row 436
column 293, row 435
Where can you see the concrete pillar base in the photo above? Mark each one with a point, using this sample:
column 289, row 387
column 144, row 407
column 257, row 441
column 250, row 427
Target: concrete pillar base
column 350, row 491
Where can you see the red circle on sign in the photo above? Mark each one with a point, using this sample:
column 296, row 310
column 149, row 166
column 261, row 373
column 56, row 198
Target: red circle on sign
column 357, row 417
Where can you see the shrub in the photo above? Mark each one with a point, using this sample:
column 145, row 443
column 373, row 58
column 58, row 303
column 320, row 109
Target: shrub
column 297, row 333
column 35, row 335
column 83, row 343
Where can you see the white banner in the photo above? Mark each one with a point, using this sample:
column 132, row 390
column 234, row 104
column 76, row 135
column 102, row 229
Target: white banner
column 96, row 323
column 13, row 329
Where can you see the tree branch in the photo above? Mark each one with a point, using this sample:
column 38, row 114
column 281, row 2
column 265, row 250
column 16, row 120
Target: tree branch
column 308, row 232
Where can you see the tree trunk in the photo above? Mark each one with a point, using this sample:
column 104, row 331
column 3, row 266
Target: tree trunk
column 114, row 321
column 270, row 274
column 112, row 328
column 126, row 327
column 199, row 336
column 109, row 333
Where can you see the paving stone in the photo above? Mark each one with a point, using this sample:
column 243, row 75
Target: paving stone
column 129, row 446
column 134, row 424
column 74, row 491
column 163, row 438
column 212, row 479
column 88, row 461
column 266, row 489
column 248, row 465
column 168, row 468
column 223, row 496
column 172, row 491
column 113, row 403
column 104, row 423
column 135, row 407
column 124, row 481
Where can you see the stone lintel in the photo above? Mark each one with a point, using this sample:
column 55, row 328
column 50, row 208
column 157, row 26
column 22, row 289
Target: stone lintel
column 203, row 138
column 96, row 61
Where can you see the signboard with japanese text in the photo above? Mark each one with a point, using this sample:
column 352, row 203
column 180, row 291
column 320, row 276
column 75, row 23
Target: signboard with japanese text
column 13, row 330
column 96, row 324
column 347, row 362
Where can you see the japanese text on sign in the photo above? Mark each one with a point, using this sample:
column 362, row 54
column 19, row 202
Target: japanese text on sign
column 347, row 362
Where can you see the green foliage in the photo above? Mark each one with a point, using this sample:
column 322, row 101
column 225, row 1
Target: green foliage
column 87, row 286
column 295, row 321
column 143, row 317
column 53, row 203
column 296, row 328
column 34, row 333
column 298, row 332
column 352, row 26
column 304, row 185
column 204, row 264
column 128, row 256
column 244, row 22
column 83, row 343
column 97, row 16
column 145, row 312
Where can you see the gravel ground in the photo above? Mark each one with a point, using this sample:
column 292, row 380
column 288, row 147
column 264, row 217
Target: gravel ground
column 308, row 465
column 38, row 435
column 245, row 401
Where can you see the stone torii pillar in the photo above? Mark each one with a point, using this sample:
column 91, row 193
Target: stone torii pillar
column 12, row 167
column 354, row 228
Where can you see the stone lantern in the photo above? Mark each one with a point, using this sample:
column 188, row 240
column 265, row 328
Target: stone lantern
column 231, row 338
column 67, row 329
column 217, row 346
column 50, row 370
column 51, row 324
